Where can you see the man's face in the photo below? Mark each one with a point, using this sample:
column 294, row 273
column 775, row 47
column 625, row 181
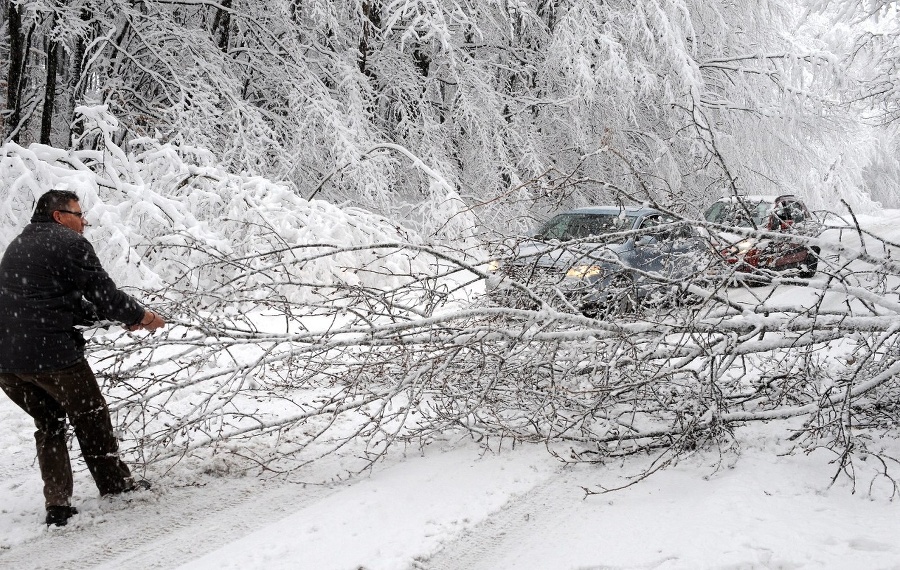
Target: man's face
column 71, row 217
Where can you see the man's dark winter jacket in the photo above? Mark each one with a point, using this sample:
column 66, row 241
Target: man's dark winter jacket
column 45, row 275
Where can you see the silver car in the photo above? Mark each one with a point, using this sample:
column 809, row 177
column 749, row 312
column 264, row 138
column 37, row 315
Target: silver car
column 600, row 260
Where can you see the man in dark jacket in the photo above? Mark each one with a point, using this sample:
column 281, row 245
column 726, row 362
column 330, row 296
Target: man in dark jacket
column 51, row 281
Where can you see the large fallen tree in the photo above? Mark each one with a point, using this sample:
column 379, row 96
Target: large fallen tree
column 428, row 356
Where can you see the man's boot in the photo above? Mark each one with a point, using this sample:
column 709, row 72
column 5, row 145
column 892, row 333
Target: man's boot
column 59, row 515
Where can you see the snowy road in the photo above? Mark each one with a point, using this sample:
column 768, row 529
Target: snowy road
column 766, row 513
column 459, row 509
column 160, row 529
column 393, row 516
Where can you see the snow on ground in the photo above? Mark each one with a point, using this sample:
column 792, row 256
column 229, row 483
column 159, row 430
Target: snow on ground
column 515, row 511
column 455, row 506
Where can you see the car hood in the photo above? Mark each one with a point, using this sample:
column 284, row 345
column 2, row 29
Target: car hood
column 564, row 256
column 725, row 239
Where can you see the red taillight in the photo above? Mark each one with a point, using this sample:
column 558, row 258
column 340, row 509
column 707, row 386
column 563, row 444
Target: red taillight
column 752, row 257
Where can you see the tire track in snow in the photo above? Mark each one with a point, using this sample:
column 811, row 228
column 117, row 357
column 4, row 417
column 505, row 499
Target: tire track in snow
column 161, row 530
column 543, row 515
column 486, row 544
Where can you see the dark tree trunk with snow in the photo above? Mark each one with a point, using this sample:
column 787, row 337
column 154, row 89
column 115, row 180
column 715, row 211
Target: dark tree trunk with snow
column 15, row 74
column 221, row 25
column 49, row 109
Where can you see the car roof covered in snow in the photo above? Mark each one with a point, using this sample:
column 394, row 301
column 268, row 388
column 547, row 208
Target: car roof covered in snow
column 769, row 198
column 615, row 210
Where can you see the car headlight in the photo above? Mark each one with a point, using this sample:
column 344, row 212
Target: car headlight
column 584, row 271
column 494, row 265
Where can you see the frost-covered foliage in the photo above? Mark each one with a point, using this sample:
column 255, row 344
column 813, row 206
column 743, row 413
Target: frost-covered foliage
column 867, row 31
column 490, row 114
column 171, row 217
column 283, row 385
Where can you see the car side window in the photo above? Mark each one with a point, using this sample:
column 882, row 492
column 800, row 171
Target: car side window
column 554, row 229
column 651, row 221
column 791, row 212
column 797, row 212
column 669, row 232
column 784, row 213
column 587, row 226
column 648, row 224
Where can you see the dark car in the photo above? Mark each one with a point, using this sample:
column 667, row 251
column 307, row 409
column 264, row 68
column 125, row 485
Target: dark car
column 600, row 260
column 758, row 257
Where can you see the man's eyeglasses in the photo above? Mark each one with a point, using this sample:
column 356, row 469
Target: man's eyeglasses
column 79, row 214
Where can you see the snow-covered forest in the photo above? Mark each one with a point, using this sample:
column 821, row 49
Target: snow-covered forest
column 310, row 191
column 494, row 110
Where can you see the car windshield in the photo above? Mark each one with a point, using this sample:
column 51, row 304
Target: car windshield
column 565, row 227
column 731, row 213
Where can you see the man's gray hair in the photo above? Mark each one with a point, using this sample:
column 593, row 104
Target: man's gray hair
column 50, row 202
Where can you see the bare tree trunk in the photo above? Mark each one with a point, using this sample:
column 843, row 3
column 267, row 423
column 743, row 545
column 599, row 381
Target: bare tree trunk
column 53, row 51
column 221, row 25
column 17, row 58
column 76, row 84
column 371, row 20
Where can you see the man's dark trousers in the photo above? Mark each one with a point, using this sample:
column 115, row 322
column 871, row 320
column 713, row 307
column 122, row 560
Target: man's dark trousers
column 49, row 397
